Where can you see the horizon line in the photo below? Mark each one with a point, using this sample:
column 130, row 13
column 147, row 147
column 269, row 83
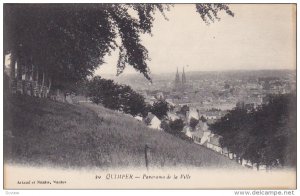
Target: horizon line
column 224, row 70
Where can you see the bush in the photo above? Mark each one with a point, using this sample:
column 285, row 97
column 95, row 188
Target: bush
column 193, row 123
column 160, row 109
column 265, row 135
column 176, row 126
column 116, row 97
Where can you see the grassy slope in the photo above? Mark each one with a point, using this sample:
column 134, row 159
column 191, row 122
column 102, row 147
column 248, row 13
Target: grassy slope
column 41, row 131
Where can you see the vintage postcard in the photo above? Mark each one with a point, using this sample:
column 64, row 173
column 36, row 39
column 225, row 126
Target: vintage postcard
column 149, row 96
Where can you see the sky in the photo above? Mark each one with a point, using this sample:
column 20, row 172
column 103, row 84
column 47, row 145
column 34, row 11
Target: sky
column 259, row 36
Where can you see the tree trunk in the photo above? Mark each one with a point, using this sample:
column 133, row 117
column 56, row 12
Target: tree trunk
column 12, row 81
column 27, row 71
column 37, row 76
column 42, row 87
column 21, row 84
column 43, row 80
column 12, row 66
column 50, row 83
column 36, row 79
column 49, row 87
column 28, row 88
column 31, row 73
column 24, row 70
column 65, row 97
column 19, row 71
column 31, row 81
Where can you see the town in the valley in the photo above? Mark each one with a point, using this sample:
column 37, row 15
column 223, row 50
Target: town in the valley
column 162, row 95
column 208, row 96
column 202, row 97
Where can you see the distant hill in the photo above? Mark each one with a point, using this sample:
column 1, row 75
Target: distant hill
column 41, row 131
column 137, row 81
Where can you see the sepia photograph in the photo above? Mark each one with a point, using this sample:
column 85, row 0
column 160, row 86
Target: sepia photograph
column 149, row 96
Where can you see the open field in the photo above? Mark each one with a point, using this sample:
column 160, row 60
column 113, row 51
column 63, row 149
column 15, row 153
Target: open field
column 44, row 132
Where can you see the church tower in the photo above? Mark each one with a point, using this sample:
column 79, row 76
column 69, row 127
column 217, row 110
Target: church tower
column 183, row 78
column 177, row 81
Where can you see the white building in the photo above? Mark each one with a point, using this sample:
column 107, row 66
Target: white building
column 192, row 113
column 152, row 121
column 139, row 118
column 214, row 143
column 187, row 131
column 172, row 116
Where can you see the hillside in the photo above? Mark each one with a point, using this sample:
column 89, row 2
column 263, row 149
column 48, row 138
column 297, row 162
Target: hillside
column 41, row 131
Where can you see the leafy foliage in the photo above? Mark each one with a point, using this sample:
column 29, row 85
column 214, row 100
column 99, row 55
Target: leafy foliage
column 64, row 41
column 209, row 11
column 184, row 109
column 176, row 126
column 193, row 123
column 203, row 119
column 69, row 41
column 116, row 97
column 160, row 109
column 264, row 136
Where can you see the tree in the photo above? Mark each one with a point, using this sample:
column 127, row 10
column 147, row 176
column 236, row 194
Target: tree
column 232, row 128
column 81, row 88
column 184, row 109
column 263, row 136
column 176, row 126
column 193, row 123
column 65, row 43
column 278, row 124
column 227, row 86
column 165, row 125
column 116, row 97
column 103, row 91
column 160, row 109
column 132, row 102
column 209, row 12
column 203, row 119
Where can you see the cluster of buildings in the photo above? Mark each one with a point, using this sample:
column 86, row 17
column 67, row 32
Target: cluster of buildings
column 203, row 136
column 213, row 95
column 200, row 134
column 210, row 101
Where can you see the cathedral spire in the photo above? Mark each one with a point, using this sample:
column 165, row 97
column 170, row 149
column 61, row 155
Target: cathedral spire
column 183, row 77
column 177, row 80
